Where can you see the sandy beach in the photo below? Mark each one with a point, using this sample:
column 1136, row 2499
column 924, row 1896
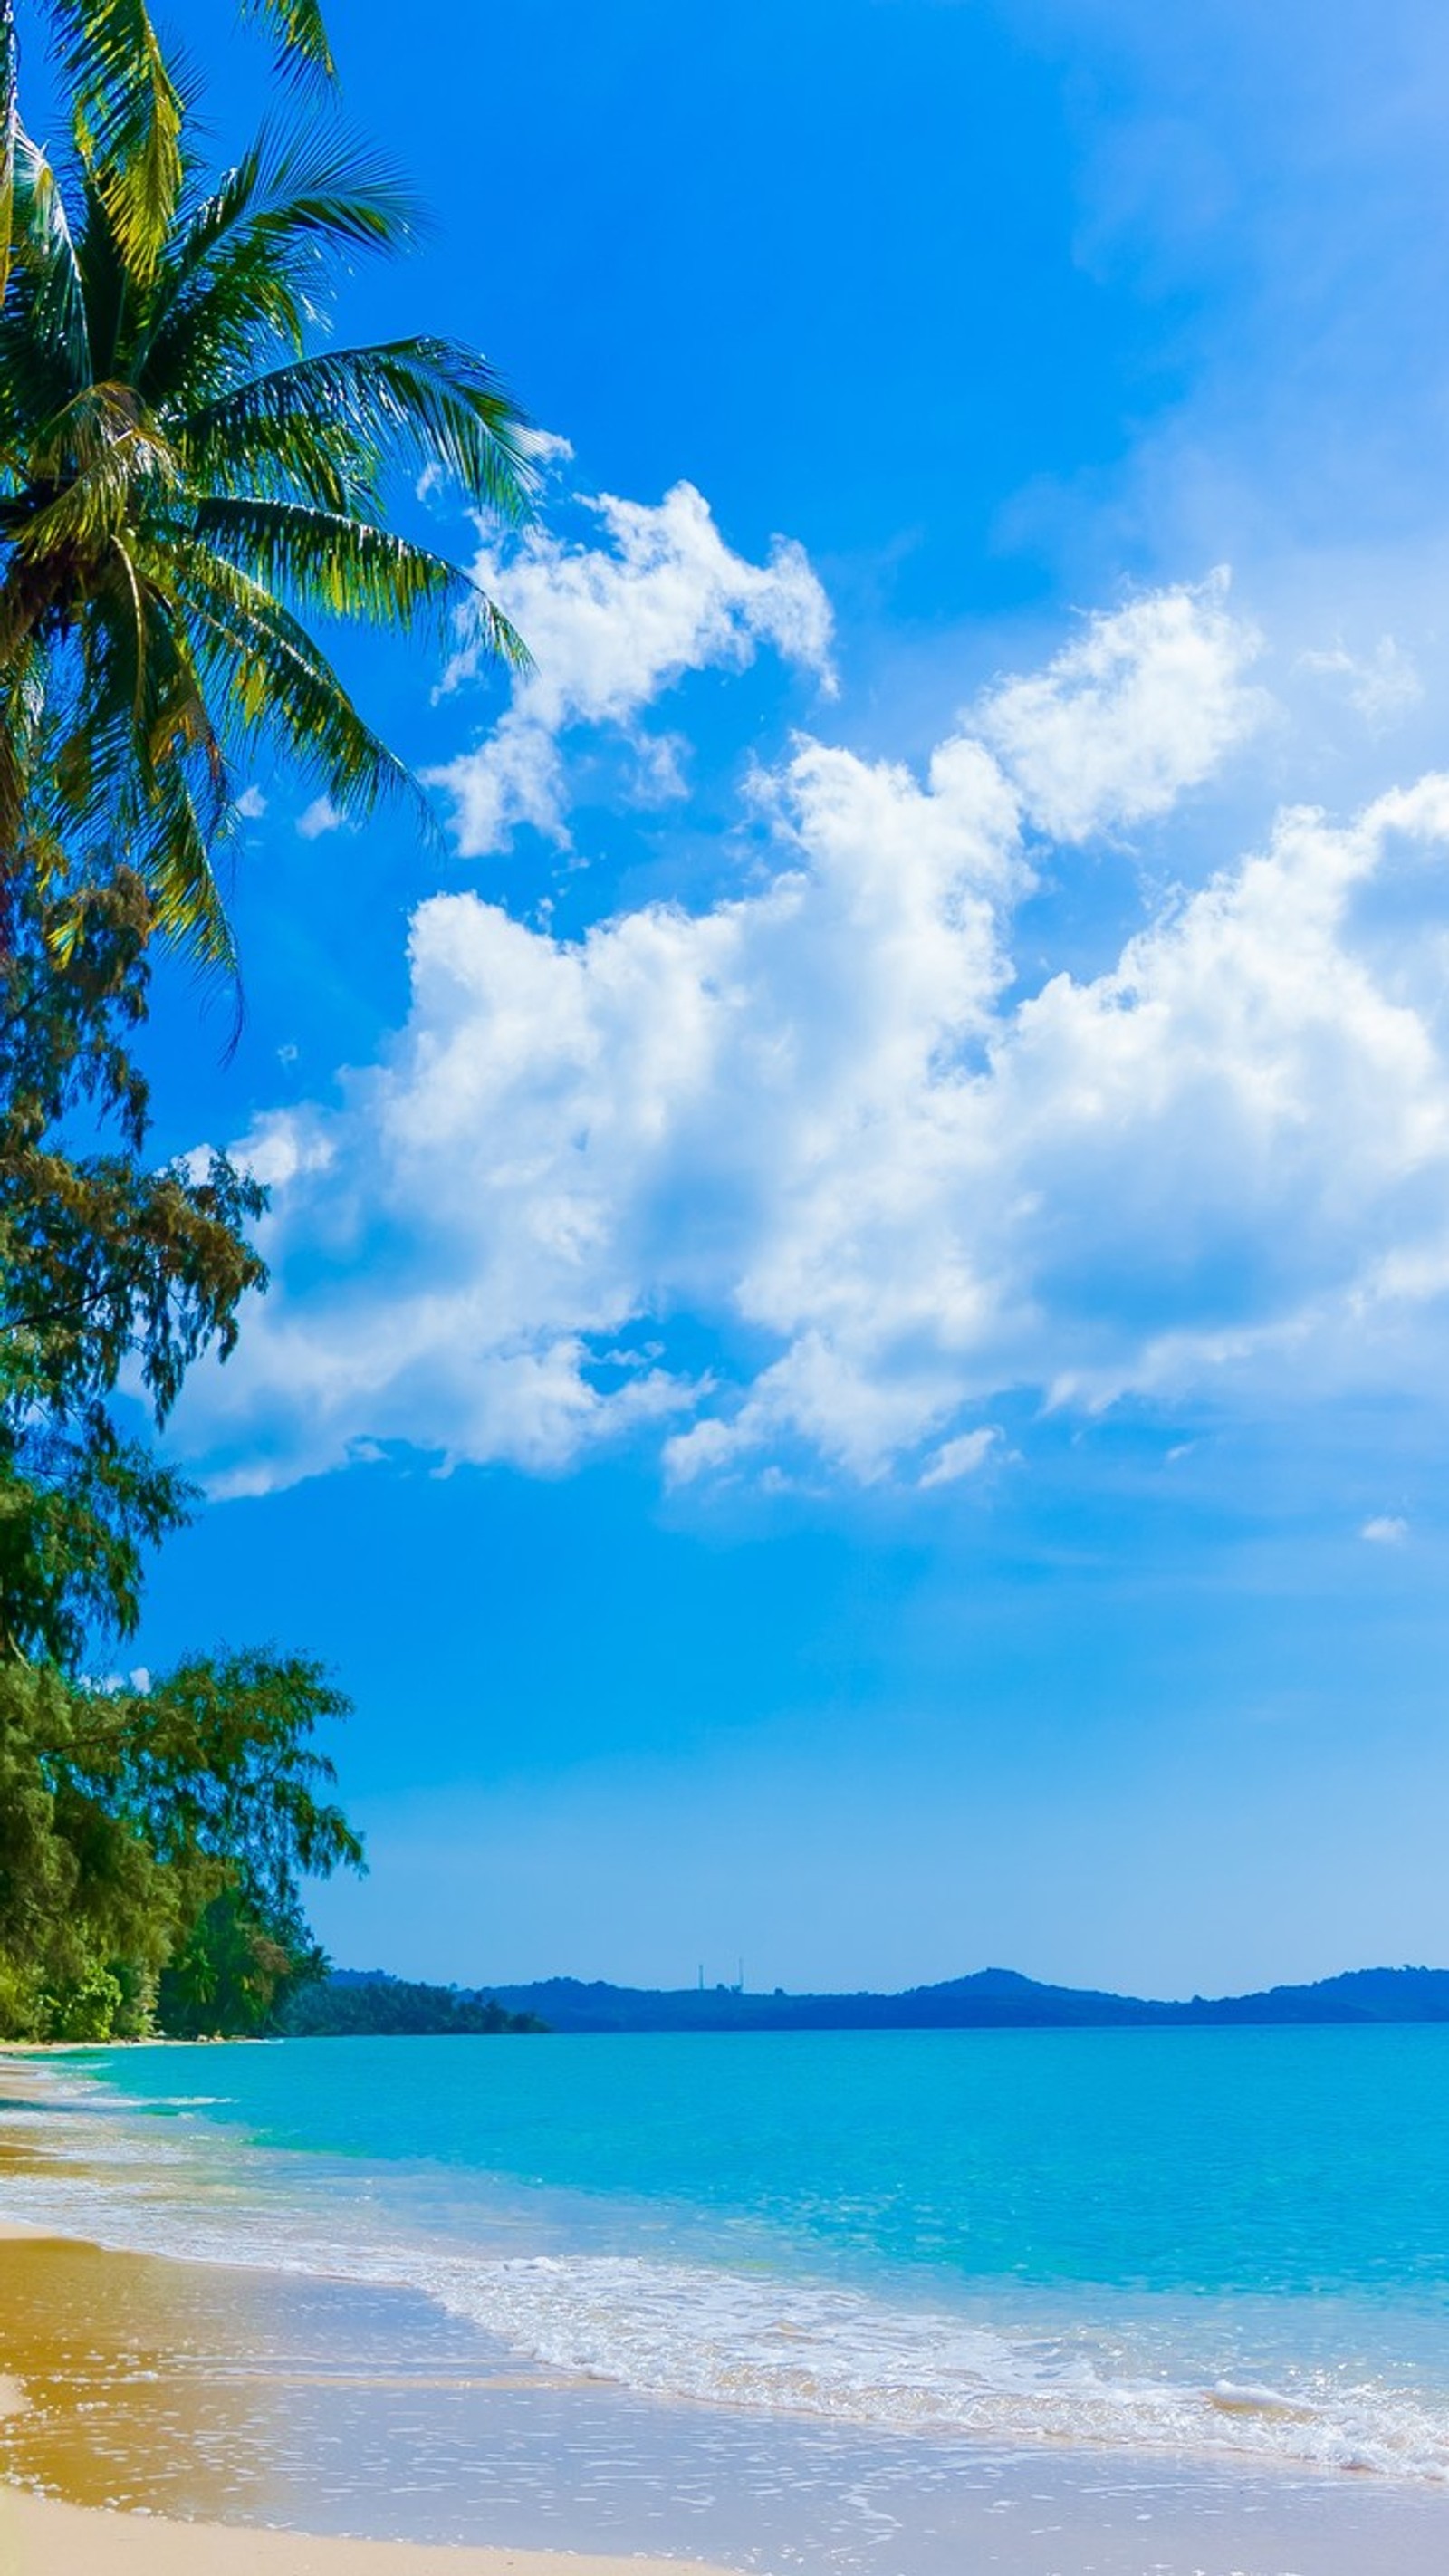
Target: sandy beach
column 44, row 2535
column 41, row 2537
column 182, row 2417
column 98, row 2413
column 48, row 2535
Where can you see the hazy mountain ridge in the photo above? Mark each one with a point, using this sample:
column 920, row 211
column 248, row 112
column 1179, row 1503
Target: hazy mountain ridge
column 989, row 1999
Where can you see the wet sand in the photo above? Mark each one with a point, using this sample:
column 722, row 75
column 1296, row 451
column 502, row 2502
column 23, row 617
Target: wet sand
column 85, row 2342
column 39, row 2537
column 175, row 2418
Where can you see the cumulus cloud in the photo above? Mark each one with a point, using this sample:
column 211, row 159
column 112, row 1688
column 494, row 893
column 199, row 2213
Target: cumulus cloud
column 1386, row 1530
column 611, row 626
column 1142, row 705
column 824, row 1124
column 319, row 817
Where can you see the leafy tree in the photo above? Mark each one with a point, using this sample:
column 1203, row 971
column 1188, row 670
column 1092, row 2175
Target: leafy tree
column 152, row 1842
column 105, row 1263
column 394, row 2007
column 187, row 482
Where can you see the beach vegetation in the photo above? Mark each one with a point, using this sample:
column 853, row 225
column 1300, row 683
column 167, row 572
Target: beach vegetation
column 192, row 477
column 112, row 1268
column 383, row 2007
column 154, row 1831
column 124, row 85
column 152, row 1834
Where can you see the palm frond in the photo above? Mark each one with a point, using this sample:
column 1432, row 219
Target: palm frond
column 187, row 482
column 423, row 401
column 347, row 567
column 22, row 710
column 300, row 29
column 255, row 257
column 294, row 181
column 181, row 876
column 322, row 463
column 336, row 187
column 277, row 679
column 102, row 453
column 135, row 760
column 331, row 561
column 51, row 329
column 127, row 112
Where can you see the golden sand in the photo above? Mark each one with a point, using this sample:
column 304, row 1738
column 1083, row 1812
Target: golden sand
column 41, row 2538
column 89, row 2376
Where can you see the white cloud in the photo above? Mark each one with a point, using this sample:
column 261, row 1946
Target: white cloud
column 961, row 1457
column 1385, row 1531
column 1144, row 704
column 823, row 1121
column 251, row 804
column 320, row 816
column 1383, row 687
column 610, row 628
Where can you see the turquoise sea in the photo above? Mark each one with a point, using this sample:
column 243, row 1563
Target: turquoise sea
column 1228, row 2244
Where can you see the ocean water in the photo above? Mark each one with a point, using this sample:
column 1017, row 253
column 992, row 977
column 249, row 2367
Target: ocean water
column 1223, row 2245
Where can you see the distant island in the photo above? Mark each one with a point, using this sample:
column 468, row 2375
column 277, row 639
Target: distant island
column 376, row 2006
column 369, row 2003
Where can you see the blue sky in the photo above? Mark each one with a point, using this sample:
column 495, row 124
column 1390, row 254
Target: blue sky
column 856, row 1365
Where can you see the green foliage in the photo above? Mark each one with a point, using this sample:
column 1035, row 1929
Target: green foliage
column 105, row 1262
column 88, row 2008
column 394, row 2007
column 186, row 479
column 235, row 1972
column 130, row 105
column 152, row 1841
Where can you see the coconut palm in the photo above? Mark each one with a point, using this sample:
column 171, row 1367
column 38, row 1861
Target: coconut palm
column 187, row 480
column 124, row 87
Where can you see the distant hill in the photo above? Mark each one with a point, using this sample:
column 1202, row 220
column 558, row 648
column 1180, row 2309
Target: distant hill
column 373, row 2005
column 369, row 2003
column 992, row 1999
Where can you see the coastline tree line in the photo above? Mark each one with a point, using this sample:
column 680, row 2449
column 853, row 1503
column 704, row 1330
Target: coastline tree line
column 191, row 473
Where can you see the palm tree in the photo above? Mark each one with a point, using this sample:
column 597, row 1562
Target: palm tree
column 121, row 80
column 186, row 480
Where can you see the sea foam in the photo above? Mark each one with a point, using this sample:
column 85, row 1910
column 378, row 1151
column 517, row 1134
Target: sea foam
column 1099, row 2371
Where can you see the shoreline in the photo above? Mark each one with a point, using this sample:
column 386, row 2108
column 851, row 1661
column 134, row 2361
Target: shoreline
column 1041, row 2512
column 53, row 2538
column 50, row 2535
column 184, row 2417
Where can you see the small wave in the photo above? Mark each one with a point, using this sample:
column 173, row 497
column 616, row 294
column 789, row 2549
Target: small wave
column 694, row 2331
column 189, row 2101
column 687, row 2332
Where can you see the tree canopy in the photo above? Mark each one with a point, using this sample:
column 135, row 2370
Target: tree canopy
column 154, row 1834
column 190, row 477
